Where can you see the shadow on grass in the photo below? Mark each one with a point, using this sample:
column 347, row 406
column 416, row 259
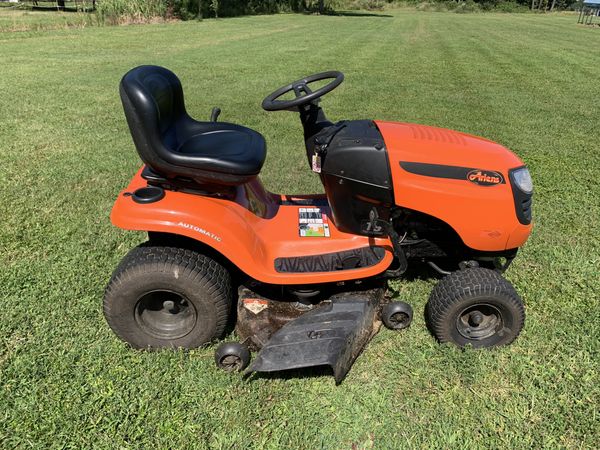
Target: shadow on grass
column 354, row 14
column 65, row 9
column 291, row 374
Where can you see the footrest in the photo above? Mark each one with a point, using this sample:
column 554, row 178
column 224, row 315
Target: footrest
column 331, row 262
column 332, row 334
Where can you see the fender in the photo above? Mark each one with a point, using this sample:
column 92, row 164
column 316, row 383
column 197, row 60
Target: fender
column 249, row 241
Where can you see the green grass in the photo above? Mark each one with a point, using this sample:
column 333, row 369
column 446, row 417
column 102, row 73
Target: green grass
column 529, row 82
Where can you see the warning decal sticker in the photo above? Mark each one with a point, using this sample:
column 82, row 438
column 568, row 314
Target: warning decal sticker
column 312, row 223
column 255, row 305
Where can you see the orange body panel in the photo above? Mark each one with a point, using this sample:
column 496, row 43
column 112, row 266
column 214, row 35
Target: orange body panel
column 483, row 216
column 250, row 240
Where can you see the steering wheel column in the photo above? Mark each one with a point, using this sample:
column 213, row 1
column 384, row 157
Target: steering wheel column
column 306, row 102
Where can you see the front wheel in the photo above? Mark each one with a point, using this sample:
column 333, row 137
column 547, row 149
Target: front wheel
column 397, row 315
column 232, row 356
column 162, row 296
column 476, row 307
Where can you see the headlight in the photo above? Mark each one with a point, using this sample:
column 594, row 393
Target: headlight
column 522, row 179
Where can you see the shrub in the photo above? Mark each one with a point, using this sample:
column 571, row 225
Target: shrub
column 510, row 7
column 131, row 11
column 188, row 9
column 467, row 6
column 128, row 11
column 361, row 4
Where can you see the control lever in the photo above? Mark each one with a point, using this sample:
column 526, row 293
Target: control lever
column 214, row 115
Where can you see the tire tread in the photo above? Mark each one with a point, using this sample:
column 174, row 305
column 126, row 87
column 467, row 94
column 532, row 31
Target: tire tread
column 151, row 258
column 465, row 283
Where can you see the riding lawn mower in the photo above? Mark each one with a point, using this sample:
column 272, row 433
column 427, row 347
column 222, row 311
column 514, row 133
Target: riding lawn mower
column 304, row 278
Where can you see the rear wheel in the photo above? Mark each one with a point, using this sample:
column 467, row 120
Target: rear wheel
column 162, row 296
column 476, row 307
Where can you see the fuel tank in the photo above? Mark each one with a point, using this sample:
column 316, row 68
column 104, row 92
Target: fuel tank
column 460, row 179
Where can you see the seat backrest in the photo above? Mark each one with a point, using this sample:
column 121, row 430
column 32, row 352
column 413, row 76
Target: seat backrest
column 152, row 98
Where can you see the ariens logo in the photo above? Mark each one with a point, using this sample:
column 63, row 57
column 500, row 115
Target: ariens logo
column 485, row 177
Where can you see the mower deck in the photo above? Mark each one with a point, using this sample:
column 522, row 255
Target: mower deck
column 332, row 333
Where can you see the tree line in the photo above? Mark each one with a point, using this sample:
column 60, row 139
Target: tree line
column 119, row 10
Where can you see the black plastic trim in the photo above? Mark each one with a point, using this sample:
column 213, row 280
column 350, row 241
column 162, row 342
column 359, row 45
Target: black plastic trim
column 331, row 262
column 149, row 194
column 523, row 200
column 355, row 173
column 186, row 185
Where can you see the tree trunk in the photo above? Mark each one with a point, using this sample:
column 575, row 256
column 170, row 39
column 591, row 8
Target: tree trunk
column 532, row 5
column 552, row 6
column 321, row 6
column 199, row 9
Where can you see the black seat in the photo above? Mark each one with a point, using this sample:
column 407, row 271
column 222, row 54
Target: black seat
column 176, row 146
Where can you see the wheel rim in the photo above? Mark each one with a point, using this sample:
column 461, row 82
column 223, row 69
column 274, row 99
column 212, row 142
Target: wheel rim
column 479, row 321
column 399, row 319
column 231, row 363
column 165, row 314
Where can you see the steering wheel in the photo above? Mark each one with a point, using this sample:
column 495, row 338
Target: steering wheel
column 303, row 93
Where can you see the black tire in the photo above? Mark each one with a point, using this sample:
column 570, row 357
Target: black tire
column 397, row 315
column 162, row 296
column 476, row 307
column 232, row 356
